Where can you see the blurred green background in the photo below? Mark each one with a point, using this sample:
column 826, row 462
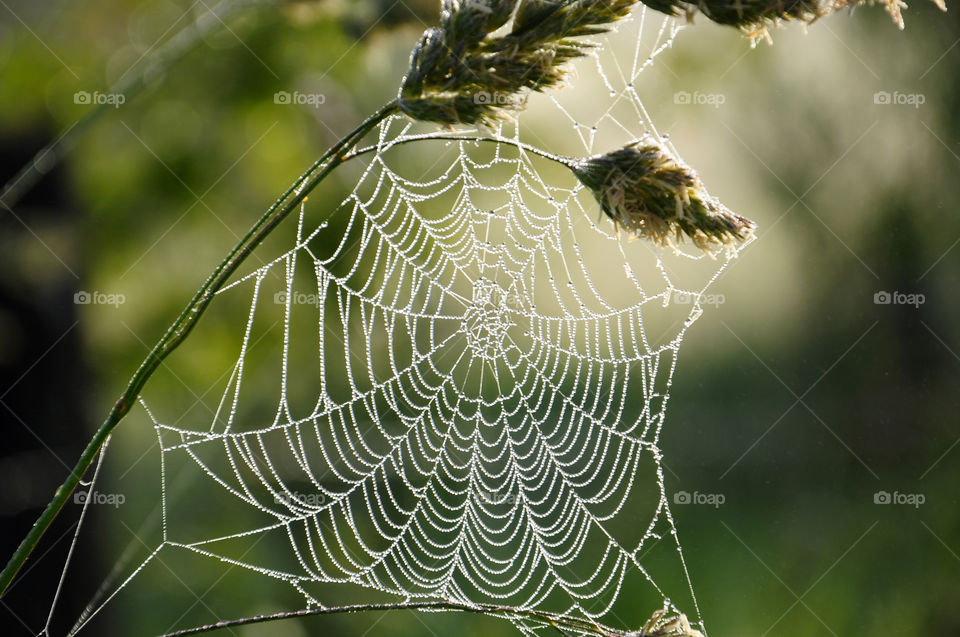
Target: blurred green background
column 798, row 398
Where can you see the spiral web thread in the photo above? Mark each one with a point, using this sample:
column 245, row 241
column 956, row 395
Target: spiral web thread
column 483, row 418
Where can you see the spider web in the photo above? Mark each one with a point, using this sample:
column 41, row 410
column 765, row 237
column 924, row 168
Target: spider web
column 453, row 386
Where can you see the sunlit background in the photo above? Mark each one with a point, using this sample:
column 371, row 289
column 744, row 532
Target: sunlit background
column 813, row 425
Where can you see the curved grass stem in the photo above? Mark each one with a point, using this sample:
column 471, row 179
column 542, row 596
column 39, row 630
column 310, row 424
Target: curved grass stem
column 556, row 620
column 185, row 323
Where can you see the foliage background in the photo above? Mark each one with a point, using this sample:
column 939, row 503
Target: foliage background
column 798, row 398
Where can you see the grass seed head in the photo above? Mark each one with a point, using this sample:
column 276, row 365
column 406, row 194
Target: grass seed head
column 651, row 195
column 461, row 74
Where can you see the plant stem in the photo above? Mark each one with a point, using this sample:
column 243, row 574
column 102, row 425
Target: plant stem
column 165, row 56
column 182, row 327
column 556, row 620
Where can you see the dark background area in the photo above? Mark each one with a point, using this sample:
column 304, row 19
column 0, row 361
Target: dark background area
column 798, row 399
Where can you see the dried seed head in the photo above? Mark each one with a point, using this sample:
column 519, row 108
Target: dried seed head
column 652, row 195
column 459, row 73
column 748, row 14
column 663, row 625
column 755, row 16
column 893, row 7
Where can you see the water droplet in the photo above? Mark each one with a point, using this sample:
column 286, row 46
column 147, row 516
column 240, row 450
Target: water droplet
column 693, row 317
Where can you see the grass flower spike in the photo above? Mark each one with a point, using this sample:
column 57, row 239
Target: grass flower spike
column 746, row 14
column 663, row 625
column 893, row 7
column 651, row 195
column 754, row 16
column 460, row 74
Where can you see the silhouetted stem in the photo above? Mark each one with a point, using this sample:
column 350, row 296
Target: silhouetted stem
column 158, row 63
column 559, row 621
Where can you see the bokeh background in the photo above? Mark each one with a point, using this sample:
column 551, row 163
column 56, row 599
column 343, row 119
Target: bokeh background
column 798, row 399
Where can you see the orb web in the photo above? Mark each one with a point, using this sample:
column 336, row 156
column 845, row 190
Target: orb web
column 452, row 386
